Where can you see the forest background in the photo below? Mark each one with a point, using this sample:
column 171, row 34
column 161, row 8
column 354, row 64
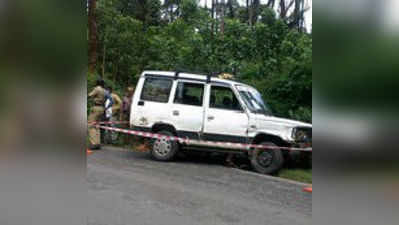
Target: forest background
column 266, row 44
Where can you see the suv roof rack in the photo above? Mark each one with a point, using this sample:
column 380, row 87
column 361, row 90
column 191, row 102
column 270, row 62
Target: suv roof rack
column 208, row 78
column 208, row 75
column 177, row 74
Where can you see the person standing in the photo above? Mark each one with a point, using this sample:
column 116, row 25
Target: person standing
column 116, row 110
column 106, row 134
column 125, row 116
column 96, row 114
column 116, row 107
column 126, row 103
column 125, row 111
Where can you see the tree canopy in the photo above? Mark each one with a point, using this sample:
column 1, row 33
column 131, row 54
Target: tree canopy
column 263, row 47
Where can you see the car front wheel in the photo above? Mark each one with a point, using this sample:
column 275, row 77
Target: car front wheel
column 267, row 161
column 164, row 149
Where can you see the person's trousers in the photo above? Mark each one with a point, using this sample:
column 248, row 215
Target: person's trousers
column 110, row 137
column 96, row 114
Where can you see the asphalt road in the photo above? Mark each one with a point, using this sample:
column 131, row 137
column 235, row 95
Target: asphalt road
column 128, row 188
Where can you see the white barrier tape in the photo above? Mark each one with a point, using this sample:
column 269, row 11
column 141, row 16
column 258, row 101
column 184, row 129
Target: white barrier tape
column 188, row 141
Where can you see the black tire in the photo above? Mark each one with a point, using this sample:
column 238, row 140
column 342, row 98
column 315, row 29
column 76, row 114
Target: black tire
column 163, row 149
column 267, row 161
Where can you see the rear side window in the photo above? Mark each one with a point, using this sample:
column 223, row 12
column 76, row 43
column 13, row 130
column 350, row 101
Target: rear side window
column 156, row 89
column 189, row 94
column 223, row 98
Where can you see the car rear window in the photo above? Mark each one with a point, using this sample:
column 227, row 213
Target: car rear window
column 156, row 89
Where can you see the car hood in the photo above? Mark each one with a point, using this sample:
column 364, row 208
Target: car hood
column 267, row 120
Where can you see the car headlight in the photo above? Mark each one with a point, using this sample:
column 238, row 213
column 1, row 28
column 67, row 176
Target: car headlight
column 302, row 134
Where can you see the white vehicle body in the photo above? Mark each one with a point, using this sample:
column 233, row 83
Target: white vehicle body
column 157, row 102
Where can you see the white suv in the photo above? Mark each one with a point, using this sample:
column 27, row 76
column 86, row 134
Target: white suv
column 207, row 110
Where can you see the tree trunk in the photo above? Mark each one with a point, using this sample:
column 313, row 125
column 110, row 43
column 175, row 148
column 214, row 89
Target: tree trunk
column 251, row 13
column 231, row 9
column 270, row 4
column 171, row 13
column 92, row 37
column 248, row 10
column 223, row 5
column 217, row 12
column 298, row 15
column 283, row 10
column 104, row 54
column 255, row 10
column 213, row 17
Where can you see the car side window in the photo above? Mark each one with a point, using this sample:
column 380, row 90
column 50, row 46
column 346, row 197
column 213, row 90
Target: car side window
column 223, row 98
column 156, row 89
column 189, row 93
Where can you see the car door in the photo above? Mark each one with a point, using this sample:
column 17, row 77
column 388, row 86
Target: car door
column 187, row 108
column 225, row 119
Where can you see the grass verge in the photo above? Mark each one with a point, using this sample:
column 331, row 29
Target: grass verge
column 301, row 175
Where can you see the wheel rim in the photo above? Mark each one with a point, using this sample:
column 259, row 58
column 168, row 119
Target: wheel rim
column 162, row 147
column 265, row 158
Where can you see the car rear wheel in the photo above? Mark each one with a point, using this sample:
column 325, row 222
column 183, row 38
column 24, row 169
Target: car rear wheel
column 164, row 149
column 267, row 161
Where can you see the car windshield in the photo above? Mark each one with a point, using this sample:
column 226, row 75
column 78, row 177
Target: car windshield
column 253, row 100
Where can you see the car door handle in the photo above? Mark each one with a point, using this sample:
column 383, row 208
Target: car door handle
column 176, row 112
column 141, row 103
column 211, row 117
